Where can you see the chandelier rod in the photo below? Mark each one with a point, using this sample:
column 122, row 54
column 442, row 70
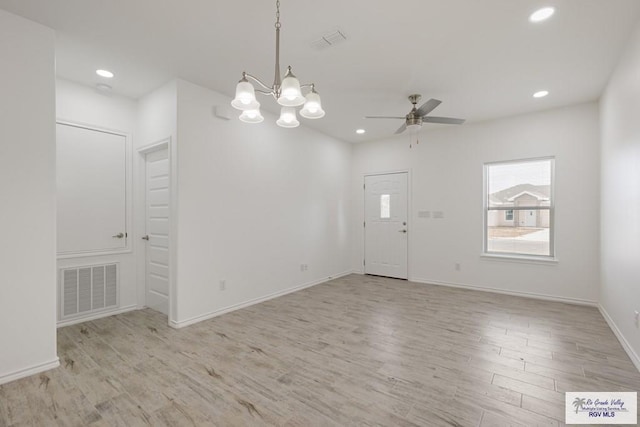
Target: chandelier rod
column 277, row 82
column 269, row 90
column 288, row 92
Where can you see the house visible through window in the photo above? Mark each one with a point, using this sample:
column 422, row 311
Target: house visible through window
column 519, row 208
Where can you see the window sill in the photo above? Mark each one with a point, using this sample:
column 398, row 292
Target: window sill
column 520, row 258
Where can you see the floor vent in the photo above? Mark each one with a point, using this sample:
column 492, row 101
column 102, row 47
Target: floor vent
column 88, row 289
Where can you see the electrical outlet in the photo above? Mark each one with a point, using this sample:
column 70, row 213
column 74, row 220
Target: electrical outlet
column 301, row 267
column 457, row 266
column 223, row 285
column 636, row 315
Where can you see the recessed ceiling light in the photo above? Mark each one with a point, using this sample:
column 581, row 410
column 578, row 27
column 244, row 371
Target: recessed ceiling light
column 541, row 94
column 360, row 131
column 104, row 73
column 542, row 14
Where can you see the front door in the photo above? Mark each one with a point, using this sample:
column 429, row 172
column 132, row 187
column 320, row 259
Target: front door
column 530, row 218
column 157, row 225
column 386, row 227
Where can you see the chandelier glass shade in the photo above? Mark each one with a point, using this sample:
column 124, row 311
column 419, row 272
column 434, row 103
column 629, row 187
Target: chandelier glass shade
column 245, row 96
column 287, row 92
column 288, row 118
column 251, row 116
column 290, row 92
column 313, row 107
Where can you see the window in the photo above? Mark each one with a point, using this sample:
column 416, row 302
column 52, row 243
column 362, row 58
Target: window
column 385, row 206
column 519, row 208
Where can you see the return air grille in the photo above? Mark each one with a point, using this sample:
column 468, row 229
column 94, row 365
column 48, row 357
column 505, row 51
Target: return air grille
column 88, row 289
column 329, row 39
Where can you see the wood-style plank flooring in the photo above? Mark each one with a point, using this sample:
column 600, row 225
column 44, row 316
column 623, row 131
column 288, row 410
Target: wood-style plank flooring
column 359, row 350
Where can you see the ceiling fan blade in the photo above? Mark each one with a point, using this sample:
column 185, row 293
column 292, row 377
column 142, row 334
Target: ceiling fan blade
column 443, row 120
column 428, row 107
column 401, row 129
column 383, row 117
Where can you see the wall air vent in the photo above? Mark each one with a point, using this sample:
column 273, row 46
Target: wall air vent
column 85, row 290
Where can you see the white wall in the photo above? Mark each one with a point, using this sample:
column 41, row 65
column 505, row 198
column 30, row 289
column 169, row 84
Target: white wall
column 27, row 197
column 84, row 105
column 447, row 175
column 620, row 118
column 255, row 202
column 157, row 115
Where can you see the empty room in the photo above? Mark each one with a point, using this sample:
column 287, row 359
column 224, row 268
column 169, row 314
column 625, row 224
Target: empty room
column 296, row 213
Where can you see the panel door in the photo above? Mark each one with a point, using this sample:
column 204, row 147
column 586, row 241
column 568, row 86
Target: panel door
column 386, row 225
column 91, row 190
column 157, row 228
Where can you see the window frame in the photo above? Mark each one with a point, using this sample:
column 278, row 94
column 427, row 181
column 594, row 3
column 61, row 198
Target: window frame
column 551, row 208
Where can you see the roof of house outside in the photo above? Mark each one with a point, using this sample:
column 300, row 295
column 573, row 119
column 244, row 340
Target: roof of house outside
column 507, row 195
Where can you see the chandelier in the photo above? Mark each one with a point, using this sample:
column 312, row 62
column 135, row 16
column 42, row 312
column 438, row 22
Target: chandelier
column 287, row 92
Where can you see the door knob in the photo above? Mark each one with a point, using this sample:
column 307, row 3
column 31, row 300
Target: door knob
column 118, row 236
column 402, row 231
column 145, row 237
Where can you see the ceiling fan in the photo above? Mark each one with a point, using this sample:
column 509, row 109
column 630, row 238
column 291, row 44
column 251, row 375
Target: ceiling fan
column 418, row 116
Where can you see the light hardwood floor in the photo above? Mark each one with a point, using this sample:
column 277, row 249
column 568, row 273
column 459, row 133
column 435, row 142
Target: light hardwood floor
column 360, row 350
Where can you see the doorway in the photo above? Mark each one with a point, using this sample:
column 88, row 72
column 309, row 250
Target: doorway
column 386, row 227
column 157, row 229
column 530, row 219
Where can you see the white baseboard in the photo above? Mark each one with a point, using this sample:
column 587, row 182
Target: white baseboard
column 211, row 315
column 95, row 316
column 625, row 344
column 568, row 300
column 27, row 372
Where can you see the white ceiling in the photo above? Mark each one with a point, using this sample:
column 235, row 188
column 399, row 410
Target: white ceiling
column 483, row 59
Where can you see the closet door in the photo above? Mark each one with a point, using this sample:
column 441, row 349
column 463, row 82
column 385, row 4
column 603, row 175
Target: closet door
column 91, row 190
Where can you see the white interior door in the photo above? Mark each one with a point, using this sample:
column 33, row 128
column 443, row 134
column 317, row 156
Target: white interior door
column 386, row 227
column 91, row 190
column 157, row 226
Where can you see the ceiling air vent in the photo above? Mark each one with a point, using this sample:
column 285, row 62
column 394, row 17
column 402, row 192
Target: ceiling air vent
column 329, row 39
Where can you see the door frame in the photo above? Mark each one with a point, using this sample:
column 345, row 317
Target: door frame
column 141, row 223
column 409, row 215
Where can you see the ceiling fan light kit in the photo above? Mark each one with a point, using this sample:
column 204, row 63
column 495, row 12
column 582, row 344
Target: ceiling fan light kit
column 414, row 128
column 287, row 92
